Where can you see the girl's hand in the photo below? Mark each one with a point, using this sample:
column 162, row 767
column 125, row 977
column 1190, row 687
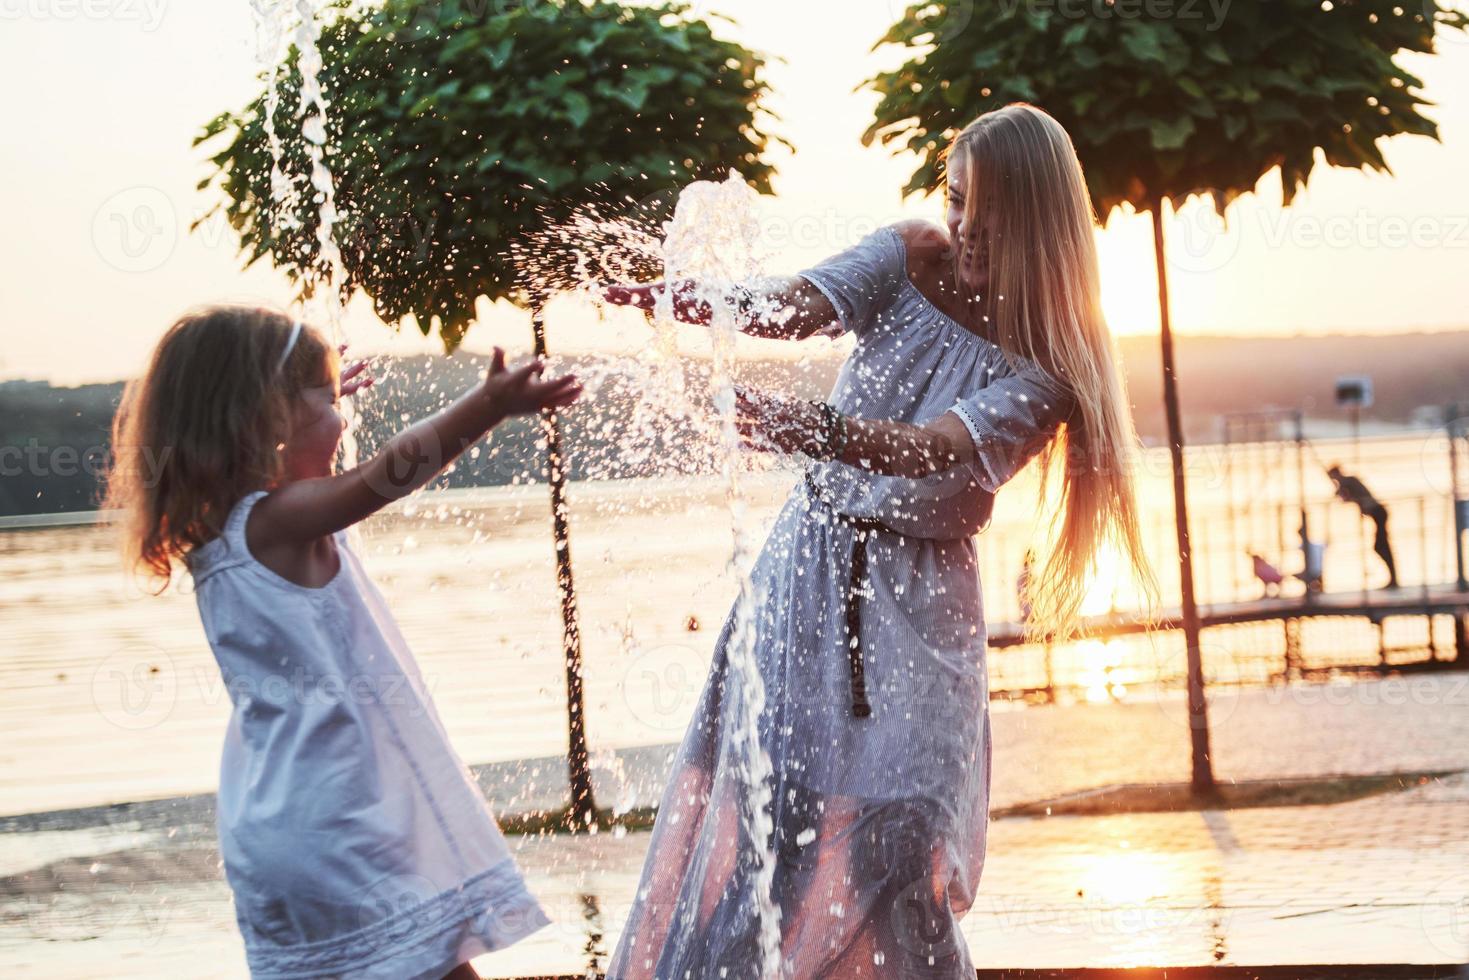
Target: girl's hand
column 354, row 378
column 773, row 423
column 686, row 304
column 521, row 392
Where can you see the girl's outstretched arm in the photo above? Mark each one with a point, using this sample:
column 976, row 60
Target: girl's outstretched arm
column 302, row 511
column 779, row 307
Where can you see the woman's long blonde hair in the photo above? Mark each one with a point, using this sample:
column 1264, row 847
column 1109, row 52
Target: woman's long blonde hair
column 1027, row 199
column 204, row 426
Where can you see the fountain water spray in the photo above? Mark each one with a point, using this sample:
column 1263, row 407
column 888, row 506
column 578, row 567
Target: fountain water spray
column 273, row 18
column 713, row 241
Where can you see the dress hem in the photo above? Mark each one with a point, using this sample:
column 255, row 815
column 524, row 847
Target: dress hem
column 493, row 909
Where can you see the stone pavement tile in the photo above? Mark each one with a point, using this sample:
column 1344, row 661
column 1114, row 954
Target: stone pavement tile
column 1376, row 880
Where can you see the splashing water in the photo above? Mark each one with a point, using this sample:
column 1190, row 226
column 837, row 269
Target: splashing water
column 713, row 240
column 270, row 33
column 661, row 395
column 272, row 19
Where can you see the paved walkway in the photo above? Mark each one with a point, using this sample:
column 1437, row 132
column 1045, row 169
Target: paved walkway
column 1381, row 880
column 136, row 892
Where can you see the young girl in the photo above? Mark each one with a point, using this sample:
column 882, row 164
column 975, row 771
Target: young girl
column 356, row 842
column 977, row 348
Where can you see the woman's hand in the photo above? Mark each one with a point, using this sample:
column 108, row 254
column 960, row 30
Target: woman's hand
column 687, row 306
column 773, row 423
column 521, row 392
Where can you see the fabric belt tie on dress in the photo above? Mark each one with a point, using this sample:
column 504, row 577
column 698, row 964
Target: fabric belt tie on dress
column 866, row 528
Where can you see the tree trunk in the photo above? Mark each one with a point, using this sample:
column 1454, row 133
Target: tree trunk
column 583, row 805
column 1198, row 720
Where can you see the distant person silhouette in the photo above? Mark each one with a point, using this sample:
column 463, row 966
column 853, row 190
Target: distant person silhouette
column 1354, row 491
column 1313, row 560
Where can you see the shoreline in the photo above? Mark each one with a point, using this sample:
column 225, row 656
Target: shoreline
column 519, row 789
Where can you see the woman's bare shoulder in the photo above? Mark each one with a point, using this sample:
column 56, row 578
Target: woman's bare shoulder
column 927, row 243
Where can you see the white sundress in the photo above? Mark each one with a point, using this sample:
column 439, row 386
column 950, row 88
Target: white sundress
column 356, row 842
column 880, row 818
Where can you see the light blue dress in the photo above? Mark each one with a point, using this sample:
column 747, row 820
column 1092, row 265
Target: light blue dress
column 356, row 842
column 879, row 820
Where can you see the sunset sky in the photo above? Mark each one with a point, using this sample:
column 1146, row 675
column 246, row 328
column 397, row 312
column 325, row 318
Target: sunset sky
column 106, row 96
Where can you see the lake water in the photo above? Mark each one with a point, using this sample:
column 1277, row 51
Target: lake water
column 108, row 694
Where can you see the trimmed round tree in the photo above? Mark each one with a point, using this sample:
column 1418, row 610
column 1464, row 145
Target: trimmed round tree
column 1164, row 101
column 455, row 128
column 458, row 129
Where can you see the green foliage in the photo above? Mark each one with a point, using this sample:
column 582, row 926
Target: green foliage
column 456, row 127
column 1166, row 106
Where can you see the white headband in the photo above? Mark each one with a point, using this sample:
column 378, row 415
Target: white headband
column 290, row 346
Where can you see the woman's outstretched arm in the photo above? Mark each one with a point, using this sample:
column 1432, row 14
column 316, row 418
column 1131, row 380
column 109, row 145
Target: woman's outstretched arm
column 876, row 445
column 776, row 307
column 992, row 432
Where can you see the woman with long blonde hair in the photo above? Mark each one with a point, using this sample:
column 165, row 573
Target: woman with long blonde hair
column 978, row 347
